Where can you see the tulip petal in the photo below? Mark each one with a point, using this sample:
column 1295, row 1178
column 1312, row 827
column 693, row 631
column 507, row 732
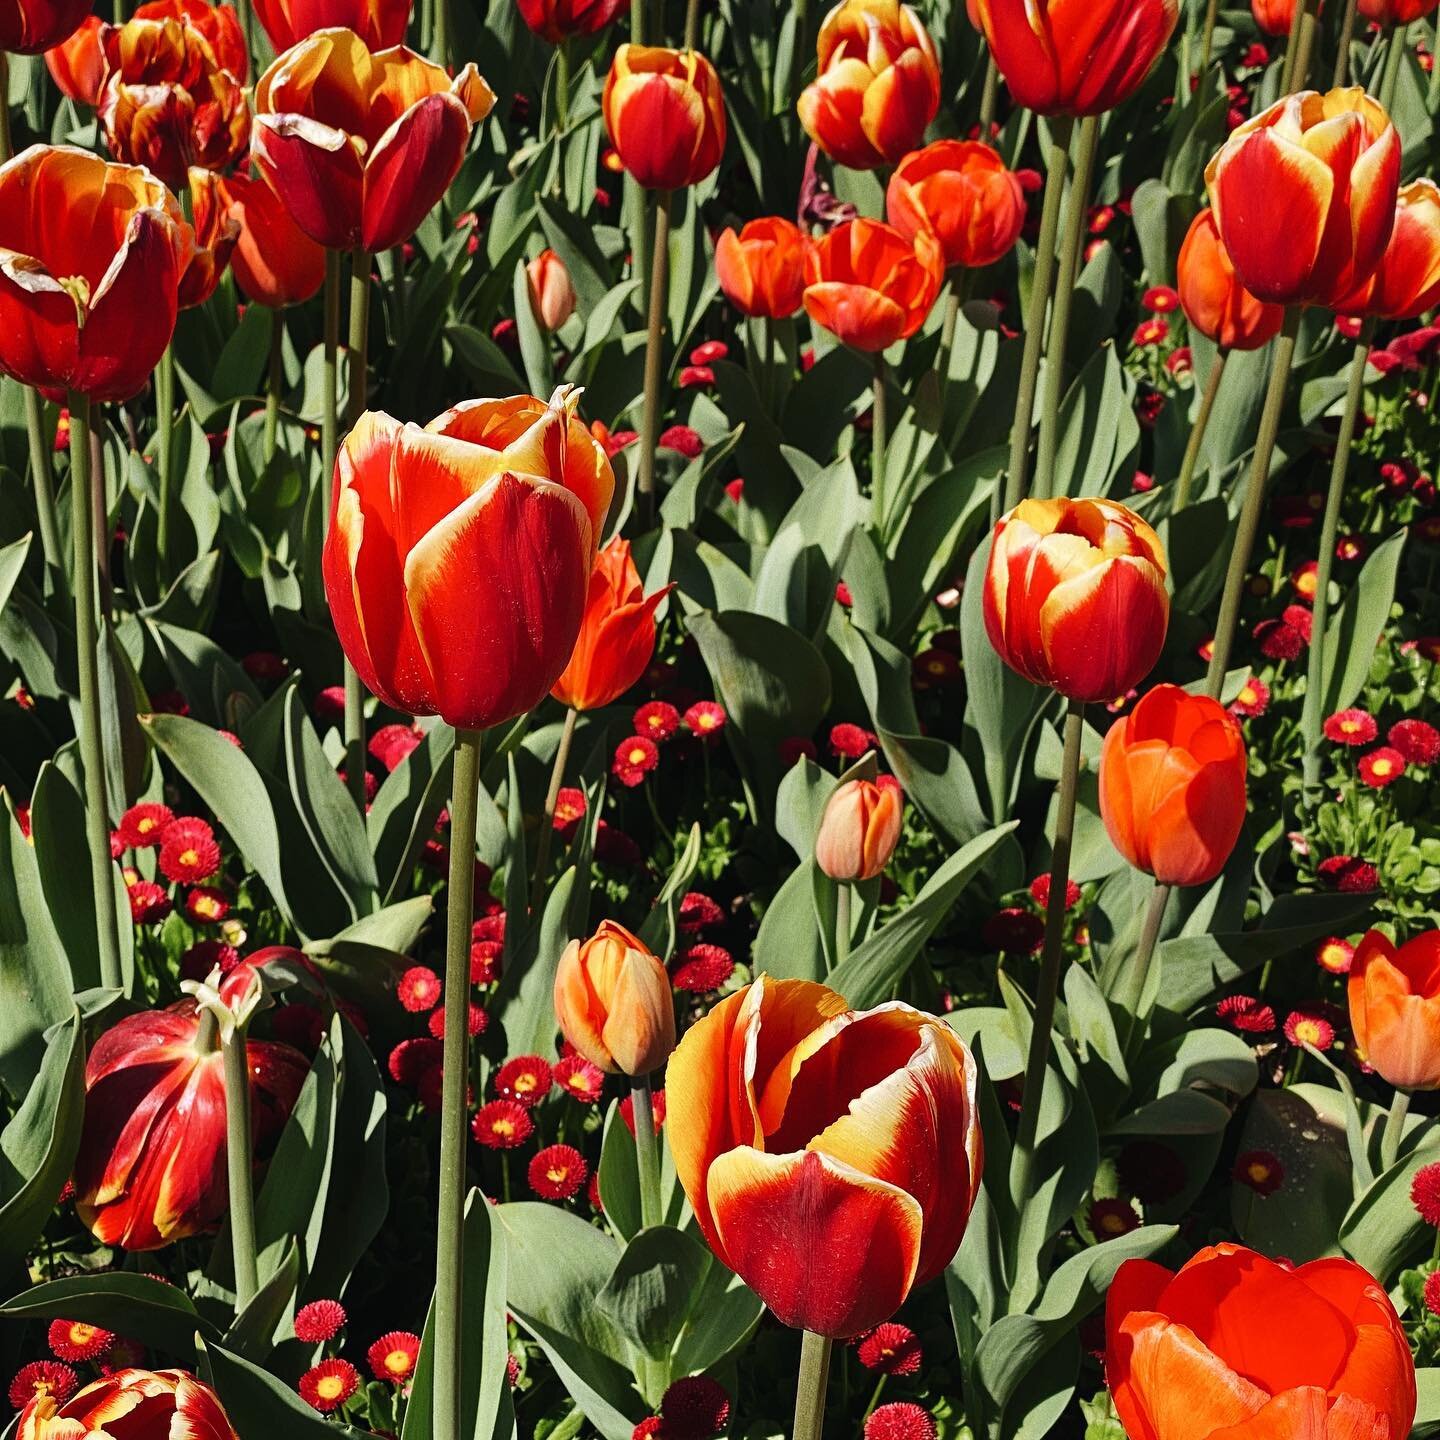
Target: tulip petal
column 861, row 317
column 1305, row 1413
column 411, row 167
column 1381, row 1354
column 317, row 172
column 649, row 118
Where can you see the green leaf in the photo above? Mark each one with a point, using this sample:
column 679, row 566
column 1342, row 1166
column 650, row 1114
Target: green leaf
column 1356, row 627
column 365, row 959
column 789, row 945
column 151, row 1311
column 525, row 998
column 12, row 562
column 1383, row 1230
column 402, row 816
column 1427, row 1407
column 259, row 1403
column 661, row 926
column 253, row 1330
column 534, row 345
column 724, row 1313
column 653, row 1288
column 619, row 1178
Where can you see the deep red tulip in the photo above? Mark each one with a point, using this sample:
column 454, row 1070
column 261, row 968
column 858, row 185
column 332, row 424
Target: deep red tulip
column 379, row 23
column 1273, row 16
column 666, row 115
column 29, row 26
column 1396, row 12
column 131, row 1405
column 557, row 20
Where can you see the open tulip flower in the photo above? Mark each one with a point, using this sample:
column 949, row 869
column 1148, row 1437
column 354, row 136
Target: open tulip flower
column 960, row 190
column 762, row 269
column 831, row 1156
column 1406, row 283
column 458, row 558
column 91, row 256
column 665, row 113
column 218, row 25
column 1273, row 16
column 1238, row 1347
column 379, row 23
column 130, row 1405
column 555, row 21
column 360, row 145
column 1394, row 994
column 29, row 26
column 1215, row 302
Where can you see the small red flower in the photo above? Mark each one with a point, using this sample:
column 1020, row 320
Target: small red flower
column 502, row 1125
column 410, row 1060
column 698, row 911
column 1246, row 1014
column 1349, row 874
column 485, row 961
column 702, row 968
column 149, row 902
column 557, row 1172
column 392, row 1357
column 419, row 989
column 580, row 1078
column 1260, row 1170
column 1304, row 579
column 900, row 1420
column 657, row 1111
column 1154, row 331
column 43, row 1377
column 1013, row 931
column 1416, row 740
column 1111, row 1217
column 935, row 669
column 206, row 905
column 142, row 826
column 657, row 721
column 75, row 1340
column 682, row 439
column 1381, row 767
column 1304, row 1027
column 634, row 759
column 708, row 352
column 1278, row 640
column 187, row 861
column 705, row 719
column 693, row 377
column 849, row 741
column 891, row 1348
column 1350, row 727
column 319, row 1321
column 1040, row 892
column 1253, row 699
column 1300, row 618
column 1161, row 299
column 652, row 1427
column 1334, row 954
column 526, row 1078
column 570, row 807
column 489, row 927
column 1432, row 1292
column 1425, row 1193
column 477, row 1021
column 695, row 1407
column 329, row 1385
column 390, row 744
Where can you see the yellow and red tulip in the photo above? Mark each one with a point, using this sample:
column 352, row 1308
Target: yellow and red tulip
column 1215, row 302
column 665, row 112
column 379, row 23
column 219, row 26
column 1406, row 282
column 130, row 1405
column 217, row 232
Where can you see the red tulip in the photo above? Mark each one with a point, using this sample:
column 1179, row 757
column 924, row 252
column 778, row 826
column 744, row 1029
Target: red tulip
column 1406, row 283
column 1273, row 16
column 1394, row 995
column 1215, row 302
column 962, row 192
column 219, row 25
column 555, row 21
column 29, row 26
column 870, row 286
column 275, row 263
column 216, row 233
column 665, row 113
column 1395, row 12
column 131, row 1405
column 379, row 23
column 762, row 269
column 77, row 65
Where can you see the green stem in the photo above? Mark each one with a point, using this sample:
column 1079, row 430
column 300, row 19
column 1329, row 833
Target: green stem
column 692, row 24
column 455, row 1074
column 562, row 87
column 654, row 354
column 810, row 1386
column 842, row 920
column 1342, row 53
column 989, row 96
column 237, row 1151
column 552, row 796
column 1207, row 34
column 637, row 22
column 1197, row 433
column 359, row 394
column 329, row 422
column 953, row 298
column 1130, row 993
column 801, row 11
column 647, row 1152
column 164, row 446
column 442, row 33
column 1254, row 502
column 1309, row 29
column 875, row 1395
column 1394, row 54
column 7, row 143
column 878, row 440
column 43, row 482
column 275, row 382
column 1394, row 1131
column 1292, row 46
column 247, row 26
column 87, row 642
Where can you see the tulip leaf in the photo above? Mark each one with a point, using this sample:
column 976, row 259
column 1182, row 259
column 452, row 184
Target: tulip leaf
column 525, row 998
column 1383, row 1230
column 402, row 816
column 534, row 346
column 12, row 562
column 253, row 1330
column 724, row 1314
column 1099, row 437
column 150, row 1311
column 661, row 928
column 653, row 1289
column 1427, row 1401
column 789, row 945
column 364, row 960
column 1356, row 626
column 620, row 1179
column 259, row 1403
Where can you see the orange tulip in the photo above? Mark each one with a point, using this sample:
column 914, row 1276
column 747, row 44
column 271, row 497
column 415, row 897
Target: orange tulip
column 216, row 233
column 29, row 26
column 960, row 190
column 762, row 269
column 1238, row 1347
column 1075, row 596
column 1304, row 195
column 458, row 556
column 1075, row 57
column 665, row 113
column 552, row 292
column 1406, row 283
column 557, row 20
column 870, row 286
column 77, row 65
column 359, row 146
column 1273, row 16
column 617, row 635
column 131, row 1405
column 1215, row 302
column 831, row 1156
column 613, row 1002
column 1394, row 999
column 877, row 84
column 91, row 256
column 1172, row 786
column 859, row 829
column 1395, row 12
column 379, row 23
column 218, row 24
column 275, row 263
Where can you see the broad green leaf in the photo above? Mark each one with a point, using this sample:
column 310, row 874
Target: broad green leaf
column 653, row 1288
column 261, row 1404
column 151, row 1311
column 1356, row 626
column 253, row 1331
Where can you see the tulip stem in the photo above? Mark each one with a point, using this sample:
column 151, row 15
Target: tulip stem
column 1394, row 1131
column 1130, row 993
column 87, row 642
column 442, row 33
column 552, row 797
column 842, row 921
column 692, row 24
column 1037, row 1060
column 1056, row 166
column 275, row 383
column 329, row 422
column 164, row 448
column 647, row 1152
column 562, row 91
column 989, row 97
column 1292, row 46
column 454, row 1084
column 1394, row 54
column 810, row 1386
column 1197, row 433
column 357, row 398
column 637, row 22
column 7, row 143
column 237, row 1151
column 1342, row 53
column 654, row 346
column 1086, row 143
column 1313, row 715
column 1254, row 502
column 1207, row 34
column 878, row 438
column 41, row 479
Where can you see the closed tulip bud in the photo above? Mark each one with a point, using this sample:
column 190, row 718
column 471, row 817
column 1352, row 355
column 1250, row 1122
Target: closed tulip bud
column 762, row 269
column 77, row 65
column 1238, row 1345
column 29, row 26
column 962, row 192
column 459, row 556
column 552, row 292
column 379, row 23
column 1215, row 302
column 870, row 286
column 91, row 256
column 877, row 84
column 360, row 146
column 1395, row 12
column 1304, row 195
column 1394, row 996
column 1172, row 786
column 617, row 635
column 1273, row 16
column 613, row 1002
column 1075, row 57
column 665, row 113
column 274, row 262
column 216, row 233
column 555, row 21
column 1075, row 596
column 1406, row 282
column 831, row 1156
column 131, row 1405
column 859, row 829
column 217, row 25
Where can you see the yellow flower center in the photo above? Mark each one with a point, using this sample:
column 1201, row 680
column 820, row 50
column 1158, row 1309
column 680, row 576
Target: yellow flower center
column 1258, row 1172
column 1247, row 694
column 556, row 1173
column 1308, row 1032
column 503, row 1127
column 1112, row 1224
column 330, row 1387
column 1382, row 767
column 636, row 756
column 81, row 1334
column 189, row 857
column 397, row 1362
column 524, row 1083
column 146, row 826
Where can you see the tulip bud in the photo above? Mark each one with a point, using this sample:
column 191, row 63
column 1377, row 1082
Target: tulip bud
column 552, row 293
column 555, row 21
column 962, row 192
column 1406, row 282
column 1273, row 16
column 859, row 829
column 1215, row 302
column 130, row 1404
column 870, row 286
column 1394, row 996
column 762, row 269
column 613, row 1002
column 77, row 65
column 665, row 113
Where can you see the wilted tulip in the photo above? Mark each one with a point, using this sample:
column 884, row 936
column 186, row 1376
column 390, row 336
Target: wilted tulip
column 359, row 146
column 1075, row 57
column 617, row 635
column 1406, row 282
column 870, row 286
column 29, row 26
column 458, row 556
column 1075, row 596
column 1395, row 12
column 131, row 1405
column 275, row 263
column 614, row 1003
column 379, row 23
column 552, row 292
column 1304, row 195
column 218, row 25
column 216, row 233
column 77, row 65
column 91, row 256
column 1172, row 785
column 1394, row 996
column 762, row 269
column 859, row 829
column 555, row 21
column 831, row 1156
column 1273, row 16
column 962, row 192
column 665, row 113
column 877, row 84
column 1236, row 1345
column 1215, row 302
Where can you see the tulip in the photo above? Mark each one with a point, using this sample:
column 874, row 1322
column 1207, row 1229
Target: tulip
column 275, row 263
column 831, row 1156
column 666, row 115
column 216, row 233
column 1075, row 57
column 458, row 556
column 77, row 65
column 1395, row 12
column 1172, row 786
column 1406, row 283
column 131, row 1405
column 379, row 23
column 29, row 26
column 1273, row 16
column 613, row 1002
column 962, row 192
column 555, row 21
column 151, row 1167
column 877, row 84
column 552, row 292
column 1238, row 1347
column 859, row 829
column 1304, row 195
column 870, row 286
column 1075, row 596
column 359, row 145
column 219, row 26
column 91, row 256
column 617, row 635
column 1215, row 302
column 1394, row 999
column 762, row 269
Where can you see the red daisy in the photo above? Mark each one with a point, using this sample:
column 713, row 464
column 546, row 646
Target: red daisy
column 1013, row 931
column 705, row 719
column 934, row 667
column 1154, row 331
column 329, row 706
column 1425, row 1193
column 1260, row 1170
column 570, row 810
column 1381, row 767
column 849, row 741
column 1305, row 1027
column 697, row 911
column 651, row 1425
column 656, row 720
column 502, row 1125
column 124, row 1355
column 1334, row 954
column 393, row 1356
column 1304, row 580
column 683, row 439
column 419, row 989
column 614, row 847
column 390, row 744
column 1246, row 1014
column 1416, row 740
column 187, row 861
column 707, row 352
column 900, row 1420
column 1161, row 299
column 694, row 1408
column 1040, row 892
column 1349, row 547
column 657, row 1110
column 319, row 1321
column 189, row 828
column 1111, row 1217
column 1279, row 641
column 490, row 926
column 477, row 1023
column 142, row 826
column 694, row 377
column 1349, row 874
column 526, row 1078
column 485, row 961
column 891, row 1348
column 43, row 1377
column 557, row 1172
column 206, row 905
column 1253, row 699
column 580, row 1078
column 1432, row 1292
column 1350, row 727
column 410, row 1059
column 75, row 1340
column 149, row 902
column 702, row 968
column 634, row 759
column 204, row 955
column 329, row 1385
